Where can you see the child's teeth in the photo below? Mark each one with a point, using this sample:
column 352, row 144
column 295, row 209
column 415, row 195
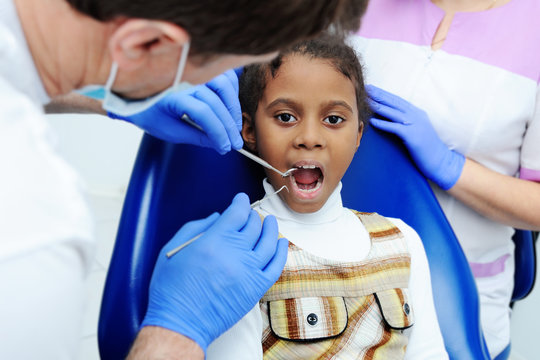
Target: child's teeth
column 314, row 189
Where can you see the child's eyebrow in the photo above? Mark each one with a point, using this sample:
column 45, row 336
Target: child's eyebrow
column 282, row 101
column 333, row 103
column 292, row 103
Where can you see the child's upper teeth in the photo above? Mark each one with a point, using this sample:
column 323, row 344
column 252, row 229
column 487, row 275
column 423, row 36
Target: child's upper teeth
column 308, row 167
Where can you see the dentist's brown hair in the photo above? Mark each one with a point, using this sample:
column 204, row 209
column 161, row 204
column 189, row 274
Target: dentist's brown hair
column 236, row 26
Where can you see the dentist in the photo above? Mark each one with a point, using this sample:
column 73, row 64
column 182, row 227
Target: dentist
column 143, row 52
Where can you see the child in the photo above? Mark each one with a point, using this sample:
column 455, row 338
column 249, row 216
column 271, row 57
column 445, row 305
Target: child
column 355, row 285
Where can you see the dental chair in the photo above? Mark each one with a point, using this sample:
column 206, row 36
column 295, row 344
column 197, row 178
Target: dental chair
column 525, row 259
column 524, row 272
column 173, row 184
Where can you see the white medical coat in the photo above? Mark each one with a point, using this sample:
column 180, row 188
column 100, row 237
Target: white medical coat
column 45, row 225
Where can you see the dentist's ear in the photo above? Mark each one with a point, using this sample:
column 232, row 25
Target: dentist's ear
column 248, row 132
column 135, row 41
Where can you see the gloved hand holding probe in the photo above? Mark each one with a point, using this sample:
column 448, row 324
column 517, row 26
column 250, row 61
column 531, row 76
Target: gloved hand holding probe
column 208, row 286
column 214, row 106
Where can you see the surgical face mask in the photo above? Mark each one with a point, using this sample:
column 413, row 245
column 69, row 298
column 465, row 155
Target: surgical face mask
column 125, row 107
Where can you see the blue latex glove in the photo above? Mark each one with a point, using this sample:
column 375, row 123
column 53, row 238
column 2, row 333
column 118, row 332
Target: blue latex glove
column 211, row 284
column 214, row 106
column 434, row 159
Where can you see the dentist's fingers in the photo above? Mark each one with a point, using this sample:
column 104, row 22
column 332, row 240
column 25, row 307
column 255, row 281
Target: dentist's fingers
column 252, row 230
column 265, row 248
column 233, row 78
column 235, row 217
column 222, row 113
column 213, row 132
column 226, row 87
column 190, row 230
column 275, row 266
column 239, row 71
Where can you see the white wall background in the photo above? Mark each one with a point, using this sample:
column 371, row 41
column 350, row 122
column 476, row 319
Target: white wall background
column 102, row 150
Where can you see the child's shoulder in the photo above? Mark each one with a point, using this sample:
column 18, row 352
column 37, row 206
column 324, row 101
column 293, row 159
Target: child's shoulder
column 374, row 216
column 378, row 221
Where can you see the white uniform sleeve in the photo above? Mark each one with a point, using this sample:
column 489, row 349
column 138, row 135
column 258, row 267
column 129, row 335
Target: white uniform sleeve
column 530, row 150
column 45, row 238
column 241, row 342
column 425, row 341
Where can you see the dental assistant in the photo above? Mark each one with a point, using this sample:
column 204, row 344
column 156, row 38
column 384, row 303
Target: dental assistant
column 471, row 72
column 137, row 50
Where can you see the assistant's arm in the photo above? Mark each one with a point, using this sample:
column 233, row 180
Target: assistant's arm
column 502, row 198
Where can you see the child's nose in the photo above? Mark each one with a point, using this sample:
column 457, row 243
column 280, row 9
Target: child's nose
column 309, row 136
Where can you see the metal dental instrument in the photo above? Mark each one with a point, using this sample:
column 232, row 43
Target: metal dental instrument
column 243, row 152
column 264, row 163
column 258, row 202
column 178, row 248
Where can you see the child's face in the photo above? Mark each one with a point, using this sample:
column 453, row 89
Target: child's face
column 306, row 119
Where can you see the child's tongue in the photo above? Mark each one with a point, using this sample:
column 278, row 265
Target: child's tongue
column 307, row 176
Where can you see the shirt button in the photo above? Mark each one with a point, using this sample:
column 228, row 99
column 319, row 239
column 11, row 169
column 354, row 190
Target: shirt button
column 406, row 309
column 312, row 319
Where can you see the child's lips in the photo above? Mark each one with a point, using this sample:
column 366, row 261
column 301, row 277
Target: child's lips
column 307, row 182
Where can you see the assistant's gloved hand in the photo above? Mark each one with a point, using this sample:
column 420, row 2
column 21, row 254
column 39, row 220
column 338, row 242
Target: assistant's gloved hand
column 208, row 286
column 434, row 159
column 214, row 106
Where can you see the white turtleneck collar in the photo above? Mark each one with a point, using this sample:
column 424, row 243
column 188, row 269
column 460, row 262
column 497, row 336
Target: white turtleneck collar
column 333, row 232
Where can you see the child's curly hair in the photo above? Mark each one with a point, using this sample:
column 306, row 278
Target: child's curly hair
column 328, row 47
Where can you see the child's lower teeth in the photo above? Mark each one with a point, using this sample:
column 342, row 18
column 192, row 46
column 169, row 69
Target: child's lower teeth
column 304, row 187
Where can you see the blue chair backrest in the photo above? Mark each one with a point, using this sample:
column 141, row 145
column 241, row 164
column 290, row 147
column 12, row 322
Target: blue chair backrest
column 525, row 260
column 173, row 184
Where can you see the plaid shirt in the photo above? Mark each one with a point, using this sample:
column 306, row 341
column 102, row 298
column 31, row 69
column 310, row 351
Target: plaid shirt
column 324, row 309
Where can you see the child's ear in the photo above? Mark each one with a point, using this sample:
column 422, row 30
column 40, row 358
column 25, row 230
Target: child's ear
column 359, row 136
column 248, row 132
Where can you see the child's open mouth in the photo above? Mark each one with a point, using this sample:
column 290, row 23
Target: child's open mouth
column 307, row 180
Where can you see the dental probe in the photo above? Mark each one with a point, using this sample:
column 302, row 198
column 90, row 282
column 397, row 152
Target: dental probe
column 243, row 152
column 178, row 248
column 264, row 163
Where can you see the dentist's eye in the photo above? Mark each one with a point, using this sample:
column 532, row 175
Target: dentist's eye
column 286, row 118
column 333, row 120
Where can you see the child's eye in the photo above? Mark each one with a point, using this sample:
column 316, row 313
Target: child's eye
column 333, row 120
column 286, row 118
